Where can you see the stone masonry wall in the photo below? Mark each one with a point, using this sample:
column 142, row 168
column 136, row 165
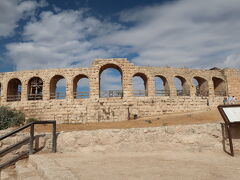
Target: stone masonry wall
column 97, row 109
column 185, row 138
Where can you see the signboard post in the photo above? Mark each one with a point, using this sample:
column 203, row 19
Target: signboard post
column 231, row 117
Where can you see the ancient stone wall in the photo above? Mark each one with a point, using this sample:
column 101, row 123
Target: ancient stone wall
column 44, row 104
column 186, row 138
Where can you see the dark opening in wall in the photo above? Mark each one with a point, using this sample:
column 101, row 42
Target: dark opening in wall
column 58, row 87
column 201, row 86
column 81, row 87
column 110, row 81
column 14, row 90
column 161, row 86
column 35, row 89
column 139, row 85
column 181, row 86
column 219, row 87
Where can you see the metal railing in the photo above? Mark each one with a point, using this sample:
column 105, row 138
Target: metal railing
column 81, row 95
column 58, row 95
column 27, row 140
column 162, row 93
column 220, row 93
column 35, row 96
column 140, row 92
column 183, row 93
column 16, row 97
column 111, row 93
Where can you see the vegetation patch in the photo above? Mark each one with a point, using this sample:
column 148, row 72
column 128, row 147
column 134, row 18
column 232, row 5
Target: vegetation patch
column 10, row 117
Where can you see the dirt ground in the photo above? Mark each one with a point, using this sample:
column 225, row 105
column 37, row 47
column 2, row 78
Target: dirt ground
column 163, row 120
column 169, row 165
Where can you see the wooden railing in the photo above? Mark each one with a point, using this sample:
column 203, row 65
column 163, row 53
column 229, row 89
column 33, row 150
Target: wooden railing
column 16, row 97
column 35, row 96
column 162, row 93
column 58, row 95
column 28, row 140
column 81, row 95
column 140, row 93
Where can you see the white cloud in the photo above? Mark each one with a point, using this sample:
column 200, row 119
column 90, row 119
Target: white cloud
column 232, row 60
column 188, row 33
column 14, row 10
column 184, row 33
column 64, row 39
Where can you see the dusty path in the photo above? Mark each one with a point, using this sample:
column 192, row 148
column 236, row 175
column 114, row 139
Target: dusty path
column 142, row 166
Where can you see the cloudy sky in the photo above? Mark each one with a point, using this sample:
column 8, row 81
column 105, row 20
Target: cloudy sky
column 37, row 34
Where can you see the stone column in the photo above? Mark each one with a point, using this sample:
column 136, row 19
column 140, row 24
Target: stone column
column 4, row 91
column 150, row 86
column 46, row 89
column 94, row 83
column 192, row 88
column 172, row 88
column 211, row 88
column 69, row 88
column 24, row 93
column 127, row 87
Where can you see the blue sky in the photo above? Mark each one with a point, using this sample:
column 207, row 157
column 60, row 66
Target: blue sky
column 38, row 34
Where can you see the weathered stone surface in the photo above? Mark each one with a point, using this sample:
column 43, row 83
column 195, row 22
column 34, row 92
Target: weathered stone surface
column 194, row 137
column 96, row 109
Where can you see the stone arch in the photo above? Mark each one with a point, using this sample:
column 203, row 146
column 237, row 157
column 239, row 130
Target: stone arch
column 79, row 90
column 55, row 89
column 139, row 84
column 181, row 86
column 201, row 86
column 14, row 90
column 35, row 88
column 112, row 91
column 161, row 86
column 219, row 86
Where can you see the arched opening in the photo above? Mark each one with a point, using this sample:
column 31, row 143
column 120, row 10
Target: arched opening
column 14, row 90
column 110, row 81
column 219, row 87
column 161, row 86
column 181, row 86
column 81, row 87
column 35, row 88
column 58, row 87
column 201, row 86
column 139, row 83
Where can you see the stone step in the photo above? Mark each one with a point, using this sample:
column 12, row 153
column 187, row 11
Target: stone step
column 25, row 171
column 49, row 168
column 8, row 174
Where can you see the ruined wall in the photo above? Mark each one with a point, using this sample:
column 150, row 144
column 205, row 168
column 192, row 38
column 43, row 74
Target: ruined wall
column 95, row 108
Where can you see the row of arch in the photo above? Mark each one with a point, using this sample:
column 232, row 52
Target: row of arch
column 81, row 88
column 35, row 88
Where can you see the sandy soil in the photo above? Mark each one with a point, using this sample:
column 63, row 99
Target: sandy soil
column 164, row 120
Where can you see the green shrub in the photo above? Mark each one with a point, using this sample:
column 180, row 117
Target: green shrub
column 10, row 117
column 29, row 120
